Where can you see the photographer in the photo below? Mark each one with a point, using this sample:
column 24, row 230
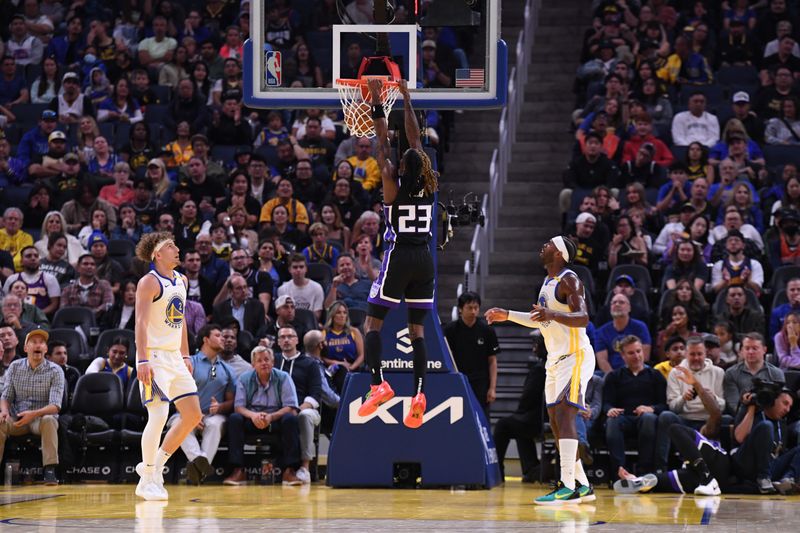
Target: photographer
column 739, row 378
column 763, row 438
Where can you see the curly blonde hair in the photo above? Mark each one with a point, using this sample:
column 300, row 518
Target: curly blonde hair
column 148, row 243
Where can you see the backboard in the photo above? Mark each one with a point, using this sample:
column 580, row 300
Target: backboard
column 449, row 50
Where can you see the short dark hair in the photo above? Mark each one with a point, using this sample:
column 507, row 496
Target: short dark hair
column 672, row 341
column 678, row 166
column 754, row 336
column 626, row 340
column 468, row 297
column 298, row 258
column 593, row 135
column 52, row 345
column 206, row 330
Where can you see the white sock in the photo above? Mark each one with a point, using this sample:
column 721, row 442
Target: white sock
column 161, row 459
column 157, row 413
column 567, row 452
column 580, row 475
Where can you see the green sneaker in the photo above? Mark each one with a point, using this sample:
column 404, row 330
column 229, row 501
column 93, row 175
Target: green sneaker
column 585, row 492
column 559, row 496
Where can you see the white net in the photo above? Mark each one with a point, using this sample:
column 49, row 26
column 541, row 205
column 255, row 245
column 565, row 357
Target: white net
column 354, row 95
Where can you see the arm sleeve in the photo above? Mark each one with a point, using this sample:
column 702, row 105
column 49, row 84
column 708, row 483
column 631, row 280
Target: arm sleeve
column 289, row 394
column 96, row 366
column 675, row 399
column 596, row 402
column 240, row 397
column 523, row 319
column 494, row 345
column 660, row 393
column 53, row 288
column 9, row 394
column 57, row 387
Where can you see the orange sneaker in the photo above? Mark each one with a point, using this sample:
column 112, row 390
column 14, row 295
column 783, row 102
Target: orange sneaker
column 413, row 419
column 377, row 395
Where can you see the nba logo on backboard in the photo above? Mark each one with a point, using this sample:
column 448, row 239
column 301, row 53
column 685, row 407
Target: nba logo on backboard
column 272, row 67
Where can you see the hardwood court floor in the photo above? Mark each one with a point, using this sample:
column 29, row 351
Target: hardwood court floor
column 214, row 508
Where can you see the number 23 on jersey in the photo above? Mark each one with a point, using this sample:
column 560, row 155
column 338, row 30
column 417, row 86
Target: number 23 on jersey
column 414, row 218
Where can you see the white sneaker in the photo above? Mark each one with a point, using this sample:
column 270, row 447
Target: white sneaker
column 709, row 489
column 151, row 484
column 303, row 475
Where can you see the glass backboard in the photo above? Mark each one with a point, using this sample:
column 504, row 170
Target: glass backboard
column 449, row 50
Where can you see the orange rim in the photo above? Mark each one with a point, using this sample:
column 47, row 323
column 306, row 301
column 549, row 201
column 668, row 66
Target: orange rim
column 363, row 81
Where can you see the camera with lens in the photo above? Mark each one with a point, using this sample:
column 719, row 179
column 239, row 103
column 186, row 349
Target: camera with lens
column 765, row 392
column 467, row 213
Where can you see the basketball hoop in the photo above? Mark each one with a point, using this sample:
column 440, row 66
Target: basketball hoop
column 356, row 99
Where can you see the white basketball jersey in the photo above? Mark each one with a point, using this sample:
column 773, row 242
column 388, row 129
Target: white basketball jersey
column 558, row 338
column 165, row 323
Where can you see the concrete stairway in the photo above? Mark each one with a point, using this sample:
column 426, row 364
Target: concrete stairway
column 530, row 210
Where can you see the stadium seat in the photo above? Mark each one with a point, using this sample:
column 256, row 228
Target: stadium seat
column 131, row 434
column 122, row 250
column 780, row 155
column 163, row 93
column 782, row 275
column 737, row 75
column 245, row 342
column 223, row 152
column 122, row 134
column 155, row 113
column 107, row 130
column 719, row 302
column 679, row 152
column 75, row 316
column 306, row 319
column 99, row 395
column 322, row 273
column 104, row 343
column 29, row 114
column 77, row 348
column 639, row 273
column 713, row 93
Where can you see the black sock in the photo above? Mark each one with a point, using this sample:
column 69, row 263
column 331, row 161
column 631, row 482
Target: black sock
column 372, row 347
column 420, row 364
column 701, row 469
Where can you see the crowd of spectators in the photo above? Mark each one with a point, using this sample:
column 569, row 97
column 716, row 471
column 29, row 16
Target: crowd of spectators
column 682, row 196
column 119, row 122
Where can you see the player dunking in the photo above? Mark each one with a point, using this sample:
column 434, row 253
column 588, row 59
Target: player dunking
column 561, row 315
column 407, row 270
column 162, row 362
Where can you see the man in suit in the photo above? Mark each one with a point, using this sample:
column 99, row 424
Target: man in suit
column 249, row 312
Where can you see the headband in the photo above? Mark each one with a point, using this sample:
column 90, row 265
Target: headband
column 158, row 247
column 558, row 242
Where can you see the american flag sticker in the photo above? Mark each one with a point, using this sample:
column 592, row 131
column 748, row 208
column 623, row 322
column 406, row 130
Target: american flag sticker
column 272, row 68
column 470, row 77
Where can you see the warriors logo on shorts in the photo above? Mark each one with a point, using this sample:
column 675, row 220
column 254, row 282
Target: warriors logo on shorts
column 174, row 312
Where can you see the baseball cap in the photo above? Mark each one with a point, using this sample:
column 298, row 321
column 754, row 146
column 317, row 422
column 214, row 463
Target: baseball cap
column 71, row 156
column 627, row 278
column 71, row 76
column 95, row 237
column 57, row 135
column 740, row 96
column 585, row 217
column 49, row 114
column 710, row 338
column 155, row 162
column 283, row 300
column 687, row 207
column 37, row 331
column 429, row 43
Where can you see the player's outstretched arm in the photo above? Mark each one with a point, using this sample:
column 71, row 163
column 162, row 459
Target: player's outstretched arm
column 496, row 314
column 384, row 151
column 411, row 124
column 570, row 290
